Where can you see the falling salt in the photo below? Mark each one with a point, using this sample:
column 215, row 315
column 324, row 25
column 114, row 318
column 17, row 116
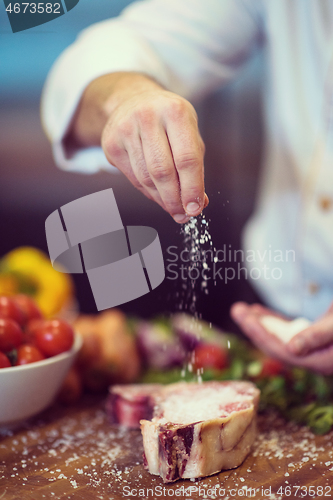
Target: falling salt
column 196, row 238
column 198, row 247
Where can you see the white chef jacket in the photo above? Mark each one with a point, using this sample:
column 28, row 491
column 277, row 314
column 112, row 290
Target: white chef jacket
column 193, row 47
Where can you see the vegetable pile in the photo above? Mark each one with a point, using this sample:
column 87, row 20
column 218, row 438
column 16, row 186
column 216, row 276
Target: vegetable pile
column 25, row 336
column 210, row 354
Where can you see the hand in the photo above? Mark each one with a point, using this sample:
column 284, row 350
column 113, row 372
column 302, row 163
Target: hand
column 153, row 138
column 318, row 336
column 312, row 348
column 148, row 133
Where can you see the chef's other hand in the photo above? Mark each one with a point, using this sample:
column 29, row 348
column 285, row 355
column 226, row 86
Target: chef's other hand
column 148, row 133
column 316, row 352
column 318, row 336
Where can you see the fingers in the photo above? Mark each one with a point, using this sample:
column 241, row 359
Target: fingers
column 316, row 336
column 161, row 172
column 138, row 172
column 188, row 152
column 118, row 156
column 241, row 310
column 238, row 311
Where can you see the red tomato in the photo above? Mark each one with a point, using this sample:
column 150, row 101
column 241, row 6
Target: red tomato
column 210, row 356
column 31, row 327
column 271, row 367
column 28, row 307
column 28, row 353
column 11, row 335
column 4, row 361
column 9, row 309
column 53, row 337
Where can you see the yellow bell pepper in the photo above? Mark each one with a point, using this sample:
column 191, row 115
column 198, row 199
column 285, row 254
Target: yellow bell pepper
column 28, row 270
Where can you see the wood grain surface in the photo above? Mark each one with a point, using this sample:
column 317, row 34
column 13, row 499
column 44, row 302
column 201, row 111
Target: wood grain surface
column 75, row 454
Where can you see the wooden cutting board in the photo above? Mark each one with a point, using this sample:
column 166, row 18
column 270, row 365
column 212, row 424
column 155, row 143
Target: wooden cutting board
column 74, row 453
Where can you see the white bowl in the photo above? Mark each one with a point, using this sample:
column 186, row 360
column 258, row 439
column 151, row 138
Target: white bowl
column 28, row 389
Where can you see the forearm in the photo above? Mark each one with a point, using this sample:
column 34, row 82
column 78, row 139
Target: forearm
column 102, row 96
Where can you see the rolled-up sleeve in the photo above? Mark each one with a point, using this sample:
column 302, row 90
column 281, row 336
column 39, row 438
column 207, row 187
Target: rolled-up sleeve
column 189, row 46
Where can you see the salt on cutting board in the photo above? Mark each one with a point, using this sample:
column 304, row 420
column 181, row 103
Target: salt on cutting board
column 283, row 329
column 74, row 453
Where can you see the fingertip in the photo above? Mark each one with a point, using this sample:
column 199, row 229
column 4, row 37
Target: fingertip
column 193, row 208
column 206, row 201
column 238, row 310
column 296, row 346
column 181, row 218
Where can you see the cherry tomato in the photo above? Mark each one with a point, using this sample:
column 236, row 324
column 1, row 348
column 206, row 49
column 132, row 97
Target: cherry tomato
column 28, row 307
column 4, row 361
column 210, row 356
column 31, row 327
column 9, row 309
column 28, row 353
column 53, row 337
column 11, row 335
column 271, row 367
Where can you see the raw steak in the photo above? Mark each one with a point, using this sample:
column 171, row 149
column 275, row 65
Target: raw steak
column 128, row 404
column 189, row 430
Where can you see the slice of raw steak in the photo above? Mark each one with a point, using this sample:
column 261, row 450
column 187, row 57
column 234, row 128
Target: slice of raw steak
column 190, row 430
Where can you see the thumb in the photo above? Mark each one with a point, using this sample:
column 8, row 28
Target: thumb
column 316, row 336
